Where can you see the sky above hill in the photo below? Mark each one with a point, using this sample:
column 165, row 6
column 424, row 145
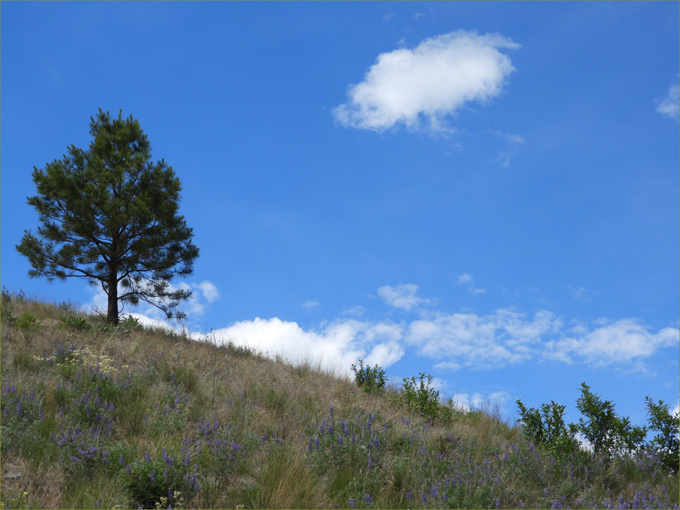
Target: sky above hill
column 484, row 192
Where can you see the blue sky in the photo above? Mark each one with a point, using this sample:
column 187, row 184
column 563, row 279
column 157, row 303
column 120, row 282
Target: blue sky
column 484, row 192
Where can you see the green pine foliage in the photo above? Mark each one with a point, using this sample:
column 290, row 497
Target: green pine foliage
column 109, row 215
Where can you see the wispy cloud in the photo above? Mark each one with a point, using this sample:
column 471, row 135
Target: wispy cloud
column 513, row 143
column 310, row 304
column 624, row 341
column 467, row 340
column 208, row 290
column 669, row 105
column 402, row 296
column 466, row 279
column 581, row 294
column 431, row 81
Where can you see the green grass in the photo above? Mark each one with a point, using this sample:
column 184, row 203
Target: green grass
column 99, row 417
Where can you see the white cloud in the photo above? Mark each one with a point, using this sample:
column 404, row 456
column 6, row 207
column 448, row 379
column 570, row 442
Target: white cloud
column 623, row 341
column 433, row 80
column 454, row 341
column 419, row 15
column 335, row 347
column 467, row 340
column 466, row 279
column 468, row 402
column 402, row 296
column 580, row 294
column 669, row 105
column 356, row 311
column 310, row 304
column 209, row 291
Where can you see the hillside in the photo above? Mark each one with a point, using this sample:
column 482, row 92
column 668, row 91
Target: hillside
column 102, row 417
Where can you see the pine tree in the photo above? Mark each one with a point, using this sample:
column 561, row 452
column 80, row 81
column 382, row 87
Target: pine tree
column 109, row 216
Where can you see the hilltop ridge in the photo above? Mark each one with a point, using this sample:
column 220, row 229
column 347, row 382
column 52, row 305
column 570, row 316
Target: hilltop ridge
column 100, row 417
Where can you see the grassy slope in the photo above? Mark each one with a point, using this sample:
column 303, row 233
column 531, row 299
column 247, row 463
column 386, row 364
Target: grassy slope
column 118, row 417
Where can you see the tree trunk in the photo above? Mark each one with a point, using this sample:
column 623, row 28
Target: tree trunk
column 112, row 316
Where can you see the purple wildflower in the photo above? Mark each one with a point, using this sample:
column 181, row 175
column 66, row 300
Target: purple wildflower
column 351, row 503
column 368, row 499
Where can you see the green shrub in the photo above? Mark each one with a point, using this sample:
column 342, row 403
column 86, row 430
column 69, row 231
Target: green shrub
column 28, row 322
column 371, row 380
column 667, row 426
column 422, row 399
column 547, row 427
column 162, row 481
column 607, row 433
column 77, row 323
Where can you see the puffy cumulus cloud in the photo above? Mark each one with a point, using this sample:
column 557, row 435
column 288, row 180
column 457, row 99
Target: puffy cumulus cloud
column 467, row 340
column 669, row 105
column 335, row 347
column 402, row 296
column 623, row 341
column 433, row 80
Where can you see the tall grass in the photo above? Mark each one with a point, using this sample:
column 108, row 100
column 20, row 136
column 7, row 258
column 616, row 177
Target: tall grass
column 97, row 417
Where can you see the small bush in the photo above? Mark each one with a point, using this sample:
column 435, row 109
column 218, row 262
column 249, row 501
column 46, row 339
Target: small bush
column 547, row 427
column 606, row 432
column 162, row 481
column 77, row 323
column 422, row 399
column 667, row 426
column 371, row 380
column 28, row 322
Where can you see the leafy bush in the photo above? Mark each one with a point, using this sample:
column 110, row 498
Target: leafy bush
column 149, row 482
column 607, row 433
column 547, row 427
column 667, row 426
column 77, row 323
column 371, row 380
column 27, row 322
column 422, row 399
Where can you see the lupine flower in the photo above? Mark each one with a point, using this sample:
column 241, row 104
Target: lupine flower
column 424, row 498
column 331, row 411
column 408, row 495
column 153, row 476
column 368, row 499
column 351, row 503
column 147, row 457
